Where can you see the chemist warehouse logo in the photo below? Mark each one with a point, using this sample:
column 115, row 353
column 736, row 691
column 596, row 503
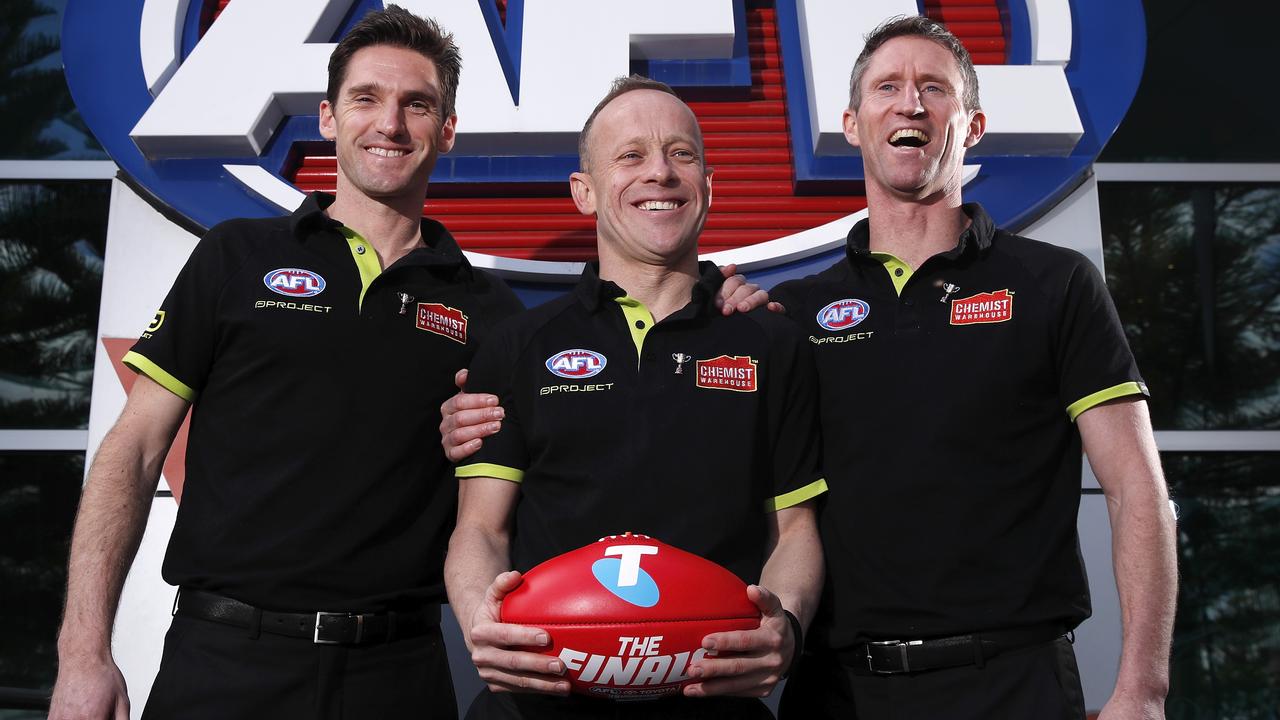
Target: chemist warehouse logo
column 214, row 132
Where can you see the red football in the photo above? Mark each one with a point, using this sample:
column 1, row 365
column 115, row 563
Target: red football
column 627, row 614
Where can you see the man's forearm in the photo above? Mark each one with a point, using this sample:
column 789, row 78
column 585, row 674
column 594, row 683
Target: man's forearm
column 793, row 569
column 475, row 559
column 1145, row 558
column 109, row 526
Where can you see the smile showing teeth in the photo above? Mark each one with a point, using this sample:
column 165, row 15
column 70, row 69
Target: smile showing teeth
column 385, row 152
column 908, row 138
column 658, row 205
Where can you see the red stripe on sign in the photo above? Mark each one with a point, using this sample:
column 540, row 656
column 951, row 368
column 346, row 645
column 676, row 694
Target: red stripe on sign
column 978, row 25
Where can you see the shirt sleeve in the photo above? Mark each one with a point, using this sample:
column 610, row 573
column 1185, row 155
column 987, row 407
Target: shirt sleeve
column 177, row 348
column 1094, row 361
column 505, row 454
column 793, row 422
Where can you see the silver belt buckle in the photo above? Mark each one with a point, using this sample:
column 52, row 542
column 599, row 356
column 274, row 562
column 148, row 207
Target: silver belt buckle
column 315, row 637
column 902, row 651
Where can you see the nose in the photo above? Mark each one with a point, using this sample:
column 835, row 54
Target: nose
column 390, row 121
column 658, row 168
column 908, row 102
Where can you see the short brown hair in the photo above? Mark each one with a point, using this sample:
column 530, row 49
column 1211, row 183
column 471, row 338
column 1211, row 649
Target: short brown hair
column 398, row 27
column 622, row 86
column 915, row 26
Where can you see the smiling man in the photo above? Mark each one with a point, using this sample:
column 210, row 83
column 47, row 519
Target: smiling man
column 954, row 408
column 314, row 350
column 962, row 371
column 633, row 405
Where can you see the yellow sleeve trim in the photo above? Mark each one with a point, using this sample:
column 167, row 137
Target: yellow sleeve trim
column 502, row 472
column 797, row 496
column 160, row 375
column 1111, row 393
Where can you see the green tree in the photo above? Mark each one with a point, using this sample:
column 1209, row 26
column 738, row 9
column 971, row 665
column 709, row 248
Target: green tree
column 52, row 238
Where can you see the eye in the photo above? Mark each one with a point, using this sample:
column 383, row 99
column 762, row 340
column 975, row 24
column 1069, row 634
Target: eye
column 420, row 107
column 934, row 89
column 630, row 155
column 886, row 87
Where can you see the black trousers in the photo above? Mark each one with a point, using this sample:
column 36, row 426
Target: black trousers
column 1035, row 683
column 211, row 671
column 511, row 706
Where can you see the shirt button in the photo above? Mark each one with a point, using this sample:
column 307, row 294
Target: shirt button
column 897, row 272
column 908, row 302
column 359, row 249
column 639, row 324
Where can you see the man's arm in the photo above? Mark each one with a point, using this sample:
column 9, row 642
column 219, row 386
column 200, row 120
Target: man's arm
column 751, row 662
column 467, row 418
column 736, row 294
column 477, row 576
column 1122, row 452
column 109, row 524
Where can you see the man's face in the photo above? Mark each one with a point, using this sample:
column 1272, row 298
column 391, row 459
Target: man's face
column 387, row 124
column 646, row 182
column 912, row 127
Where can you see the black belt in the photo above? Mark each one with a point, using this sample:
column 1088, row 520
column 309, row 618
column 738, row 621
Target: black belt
column 884, row 657
column 323, row 628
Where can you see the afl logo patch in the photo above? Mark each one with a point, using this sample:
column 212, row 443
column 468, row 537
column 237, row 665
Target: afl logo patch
column 294, row 282
column 576, row 364
column 843, row 314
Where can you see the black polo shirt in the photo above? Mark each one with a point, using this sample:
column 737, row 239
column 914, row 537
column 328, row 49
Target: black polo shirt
column 315, row 478
column 948, row 397
column 689, row 430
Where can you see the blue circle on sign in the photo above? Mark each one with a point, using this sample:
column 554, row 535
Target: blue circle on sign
column 644, row 593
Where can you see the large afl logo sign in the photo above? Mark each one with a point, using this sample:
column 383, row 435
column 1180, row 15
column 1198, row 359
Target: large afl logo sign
column 211, row 108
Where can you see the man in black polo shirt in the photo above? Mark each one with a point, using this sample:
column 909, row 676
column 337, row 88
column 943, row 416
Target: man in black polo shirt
column 961, row 368
column 314, row 350
column 632, row 405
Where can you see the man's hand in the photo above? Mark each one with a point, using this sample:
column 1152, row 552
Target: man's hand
column 505, row 669
column 1125, row 707
column 736, row 294
column 748, row 663
column 89, row 689
column 466, row 418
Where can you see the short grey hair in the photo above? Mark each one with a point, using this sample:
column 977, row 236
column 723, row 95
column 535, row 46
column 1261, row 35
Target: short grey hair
column 922, row 27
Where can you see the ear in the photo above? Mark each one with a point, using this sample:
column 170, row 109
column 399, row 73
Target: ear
column 584, row 194
column 328, row 127
column 977, row 128
column 448, row 133
column 710, row 193
column 850, row 121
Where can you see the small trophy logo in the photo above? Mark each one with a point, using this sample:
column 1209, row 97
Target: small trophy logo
column 681, row 360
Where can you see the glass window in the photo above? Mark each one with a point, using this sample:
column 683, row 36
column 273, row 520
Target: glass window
column 38, row 119
column 1197, row 82
column 52, row 238
column 1195, row 272
column 38, row 497
column 1226, row 644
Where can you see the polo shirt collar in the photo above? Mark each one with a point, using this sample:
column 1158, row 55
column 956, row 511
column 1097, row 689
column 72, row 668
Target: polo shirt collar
column 976, row 238
column 441, row 249
column 593, row 292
